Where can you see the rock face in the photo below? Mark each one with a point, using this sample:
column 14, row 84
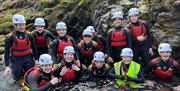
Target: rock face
column 78, row 14
column 168, row 29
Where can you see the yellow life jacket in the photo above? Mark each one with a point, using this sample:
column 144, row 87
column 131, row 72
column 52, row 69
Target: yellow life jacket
column 133, row 71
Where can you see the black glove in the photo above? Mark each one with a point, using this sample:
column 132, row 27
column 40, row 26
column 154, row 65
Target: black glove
column 158, row 65
column 128, row 78
column 121, row 77
column 171, row 65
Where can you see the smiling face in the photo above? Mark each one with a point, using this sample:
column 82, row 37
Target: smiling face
column 87, row 38
column 21, row 27
column 69, row 57
column 126, row 59
column 133, row 18
column 47, row 68
column 40, row 29
column 61, row 32
column 99, row 64
column 117, row 22
column 165, row 55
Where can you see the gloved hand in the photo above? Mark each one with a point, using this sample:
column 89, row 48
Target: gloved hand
column 158, row 66
column 128, row 78
column 121, row 77
column 171, row 66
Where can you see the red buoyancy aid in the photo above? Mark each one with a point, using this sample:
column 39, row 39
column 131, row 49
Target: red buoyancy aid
column 35, row 72
column 62, row 45
column 21, row 47
column 138, row 30
column 161, row 73
column 70, row 75
column 118, row 38
column 87, row 52
column 41, row 41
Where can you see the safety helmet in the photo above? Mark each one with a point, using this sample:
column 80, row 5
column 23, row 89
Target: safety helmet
column 127, row 52
column 39, row 22
column 91, row 28
column 17, row 18
column 87, row 32
column 118, row 15
column 133, row 11
column 164, row 47
column 45, row 59
column 99, row 56
column 68, row 49
column 61, row 25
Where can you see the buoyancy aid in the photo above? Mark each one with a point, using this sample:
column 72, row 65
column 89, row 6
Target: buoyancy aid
column 62, row 45
column 41, row 41
column 21, row 47
column 87, row 51
column 138, row 30
column 70, row 75
column 118, row 38
column 159, row 72
column 35, row 72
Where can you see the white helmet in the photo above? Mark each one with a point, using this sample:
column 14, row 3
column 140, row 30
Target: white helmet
column 45, row 59
column 118, row 14
column 164, row 47
column 61, row 25
column 68, row 49
column 91, row 28
column 17, row 18
column 127, row 52
column 39, row 22
column 87, row 32
column 133, row 11
column 99, row 56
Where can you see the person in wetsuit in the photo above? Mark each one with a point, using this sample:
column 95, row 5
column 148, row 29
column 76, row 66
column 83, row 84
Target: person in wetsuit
column 98, row 68
column 20, row 50
column 41, row 78
column 42, row 36
column 126, row 72
column 68, row 69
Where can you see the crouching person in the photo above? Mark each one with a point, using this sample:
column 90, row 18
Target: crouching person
column 127, row 73
column 68, row 69
column 164, row 67
column 98, row 68
column 40, row 78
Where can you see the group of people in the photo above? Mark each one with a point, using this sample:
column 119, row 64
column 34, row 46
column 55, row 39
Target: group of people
column 40, row 60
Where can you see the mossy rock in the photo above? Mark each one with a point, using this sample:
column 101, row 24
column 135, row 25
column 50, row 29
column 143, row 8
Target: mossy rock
column 70, row 4
column 48, row 10
column 6, row 25
column 2, row 39
column 38, row 14
column 47, row 3
column 27, row 13
column 1, row 50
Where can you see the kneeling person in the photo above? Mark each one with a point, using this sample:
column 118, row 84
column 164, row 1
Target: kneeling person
column 99, row 68
column 127, row 72
column 164, row 67
column 68, row 69
column 40, row 78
